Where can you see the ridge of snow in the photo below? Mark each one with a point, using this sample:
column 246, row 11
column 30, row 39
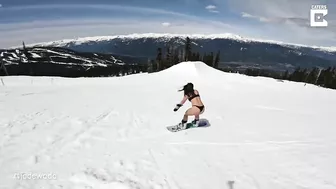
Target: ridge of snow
column 78, row 41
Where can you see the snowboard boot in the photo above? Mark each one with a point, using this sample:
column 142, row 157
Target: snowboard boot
column 182, row 125
column 195, row 122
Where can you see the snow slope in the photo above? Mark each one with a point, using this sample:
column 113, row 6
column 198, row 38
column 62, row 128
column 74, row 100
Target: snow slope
column 109, row 133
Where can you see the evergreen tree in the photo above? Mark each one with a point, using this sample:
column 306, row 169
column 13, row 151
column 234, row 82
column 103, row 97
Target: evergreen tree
column 208, row 59
column 198, row 56
column 176, row 58
column 328, row 77
column 312, row 76
column 154, row 65
column 193, row 57
column 2, row 67
column 182, row 55
column 217, row 59
column 321, row 78
column 168, row 58
column 149, row 66
column 333, row 82
column 297, row 75
column 187, row 49
column 211, row 59
column 285, row 75
column 159, row 59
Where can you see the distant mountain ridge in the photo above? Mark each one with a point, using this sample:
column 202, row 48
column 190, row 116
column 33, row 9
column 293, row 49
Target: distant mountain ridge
column 166, row 36
column 234, row 49
column 57, row 61
column 56, row 55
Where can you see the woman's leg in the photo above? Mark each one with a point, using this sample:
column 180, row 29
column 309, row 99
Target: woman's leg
column 197, row 117
column 193, row 111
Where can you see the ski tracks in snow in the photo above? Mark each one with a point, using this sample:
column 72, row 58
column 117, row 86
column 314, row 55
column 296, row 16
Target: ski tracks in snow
column 138, row 169
column 120, row 174
column 59, row 137
column 109, row 126
column 70, row 134
column 109, row 129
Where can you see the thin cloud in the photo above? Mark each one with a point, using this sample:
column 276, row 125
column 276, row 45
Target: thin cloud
column 131, row 9
column 300, row 21
column 103, row 7
column 279, row 11
column 246, row 15
column 261, row 19
column 214, row 11
column 287, row 19
column 166, row 24
column 45, row 31
column 212, row 8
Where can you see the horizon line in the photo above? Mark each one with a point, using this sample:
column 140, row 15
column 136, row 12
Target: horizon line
column 150, row 34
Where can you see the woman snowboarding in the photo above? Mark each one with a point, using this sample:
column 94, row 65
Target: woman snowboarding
column 196, row 109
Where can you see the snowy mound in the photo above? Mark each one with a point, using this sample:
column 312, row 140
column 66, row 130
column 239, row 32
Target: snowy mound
column 192, row 69
column 199, row 72
column 111, row 132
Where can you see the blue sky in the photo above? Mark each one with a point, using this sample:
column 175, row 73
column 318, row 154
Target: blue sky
column 36, row 21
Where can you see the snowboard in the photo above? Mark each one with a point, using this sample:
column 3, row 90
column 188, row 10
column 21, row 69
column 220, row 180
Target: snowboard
column 173, row 128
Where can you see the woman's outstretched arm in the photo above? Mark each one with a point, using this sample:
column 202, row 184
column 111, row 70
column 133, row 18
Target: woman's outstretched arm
column 185, row 97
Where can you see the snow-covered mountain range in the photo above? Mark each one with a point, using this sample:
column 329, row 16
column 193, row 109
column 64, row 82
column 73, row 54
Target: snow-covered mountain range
column 165, row 37
column 57, row 56
column 53, row 60
column 233, row 48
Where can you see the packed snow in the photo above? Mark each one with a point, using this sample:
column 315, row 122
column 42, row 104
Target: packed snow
column 110, row 133
column 34, row 55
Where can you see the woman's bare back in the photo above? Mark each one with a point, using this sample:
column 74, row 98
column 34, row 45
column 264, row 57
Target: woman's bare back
column 196, row 101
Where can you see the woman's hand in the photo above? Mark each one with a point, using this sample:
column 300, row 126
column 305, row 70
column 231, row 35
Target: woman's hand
column 177, row 107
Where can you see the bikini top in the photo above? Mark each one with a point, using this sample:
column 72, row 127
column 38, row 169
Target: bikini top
column 193, row 96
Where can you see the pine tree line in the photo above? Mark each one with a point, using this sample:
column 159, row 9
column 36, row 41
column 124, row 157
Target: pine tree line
column 316, row 76
column 321, row 77
column 173, row 55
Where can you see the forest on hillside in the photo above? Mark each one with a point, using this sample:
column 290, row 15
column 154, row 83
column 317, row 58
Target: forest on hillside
column 169, row 56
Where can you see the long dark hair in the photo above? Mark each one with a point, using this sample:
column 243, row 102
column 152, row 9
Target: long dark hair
column 188, row 89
